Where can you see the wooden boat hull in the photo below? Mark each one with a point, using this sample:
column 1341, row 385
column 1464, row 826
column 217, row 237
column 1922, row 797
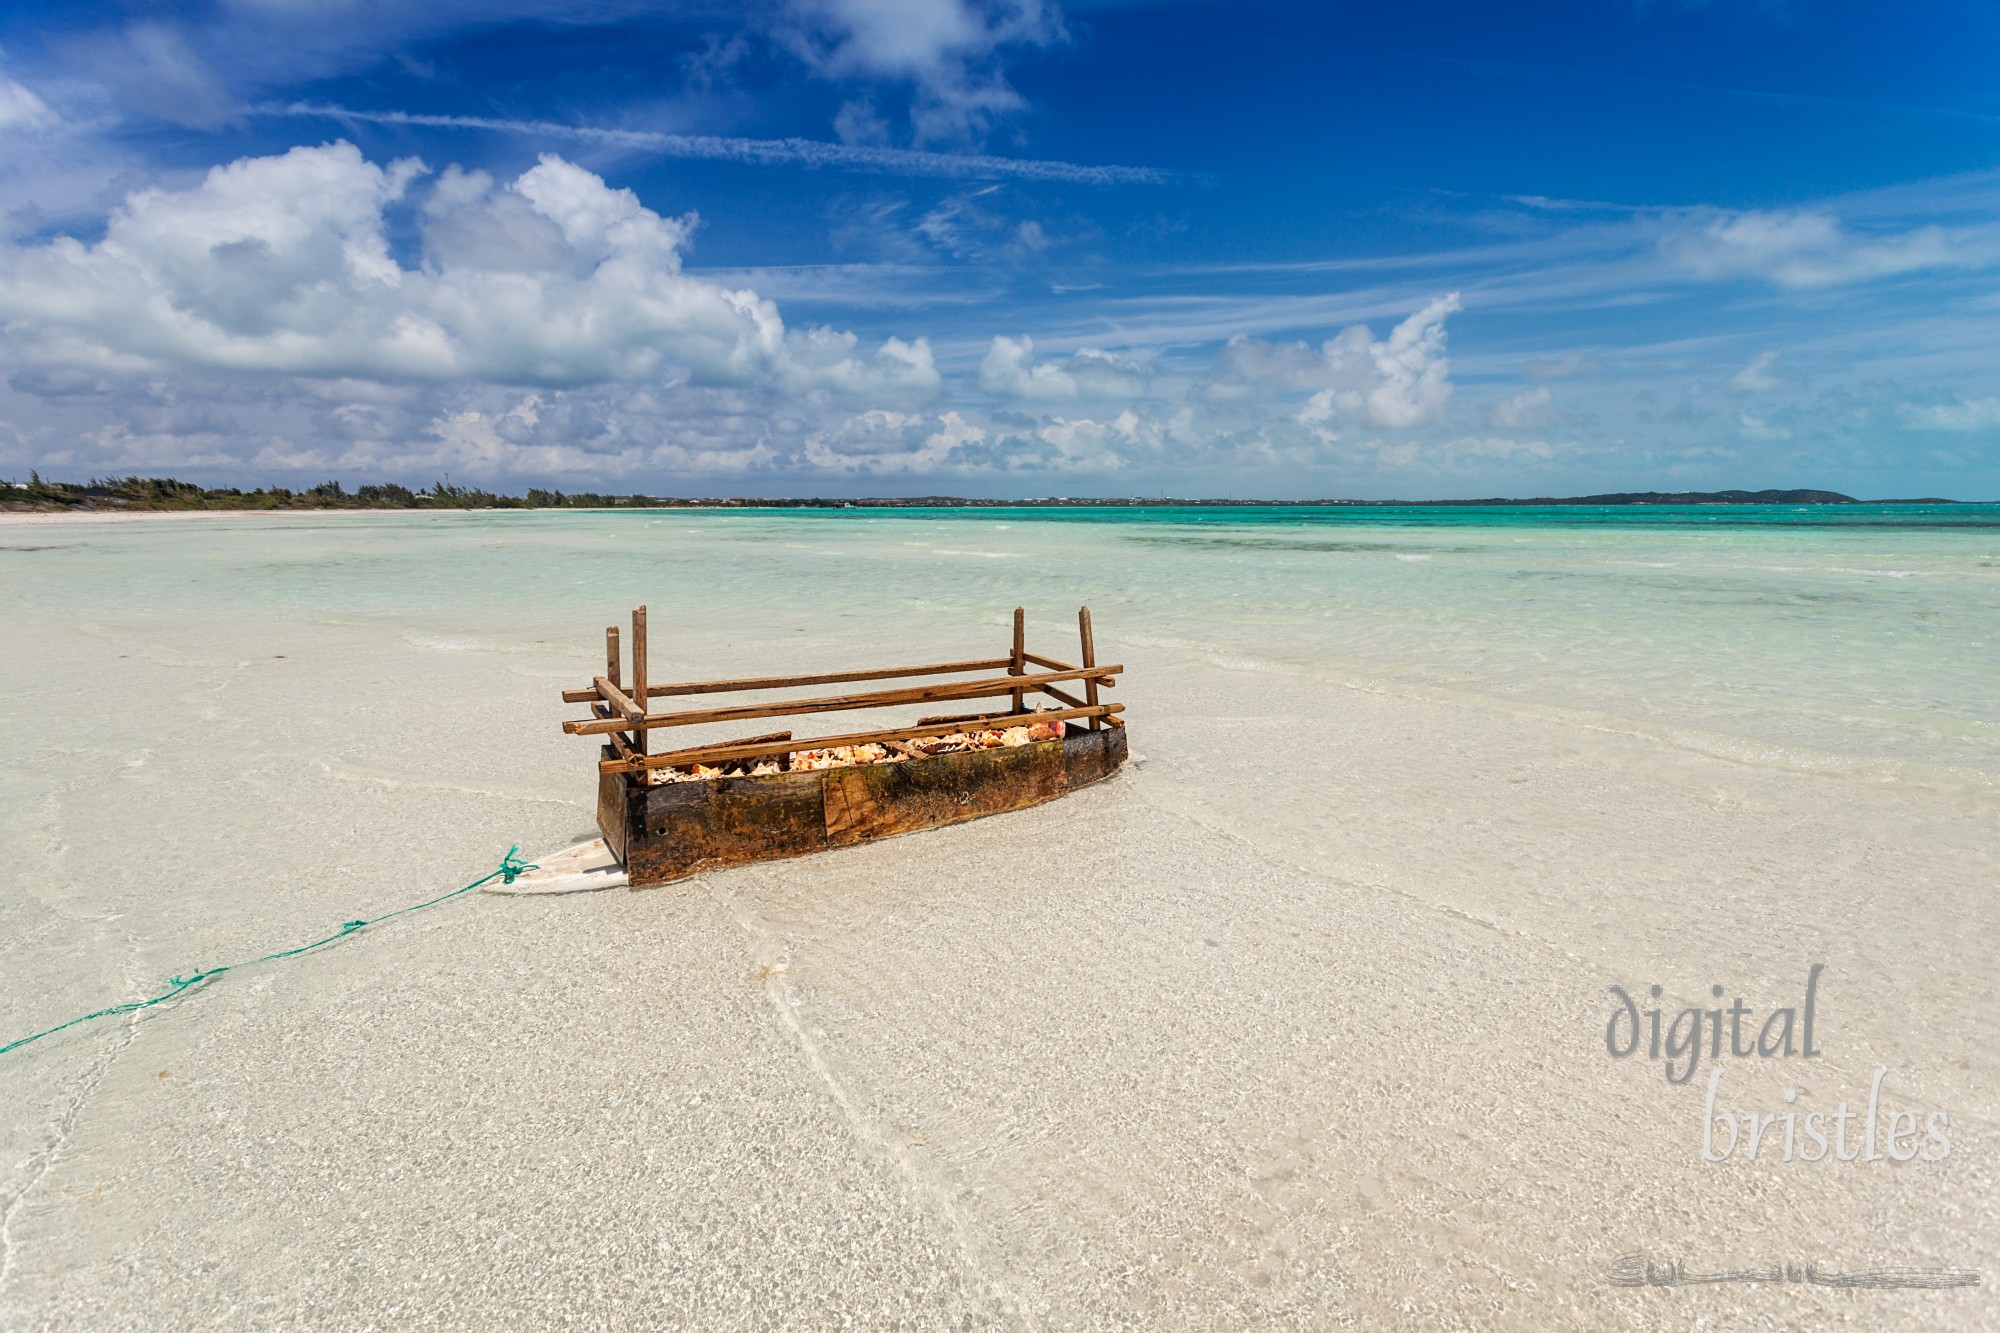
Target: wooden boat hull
column 668, row 832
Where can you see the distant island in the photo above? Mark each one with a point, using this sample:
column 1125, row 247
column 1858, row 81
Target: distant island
column 142, row 494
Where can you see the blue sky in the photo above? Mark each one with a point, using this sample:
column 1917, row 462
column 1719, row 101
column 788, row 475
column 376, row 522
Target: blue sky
column 937, row 246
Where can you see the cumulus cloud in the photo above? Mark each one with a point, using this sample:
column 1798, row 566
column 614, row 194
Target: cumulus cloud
column 1398, row 382
column 1805, row 249
column 476, row 442
column 885, row 442
column 889, row 443
column 1089, row 445
column 282, row 265
column 947, row 51
column 825, row 358
column 541, row 435
column 1011, row 371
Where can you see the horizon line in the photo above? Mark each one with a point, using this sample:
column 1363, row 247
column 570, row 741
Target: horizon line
column 446, row 490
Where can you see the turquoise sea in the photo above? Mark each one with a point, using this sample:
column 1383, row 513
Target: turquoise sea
column 1304, row 1011
column 1856, row 638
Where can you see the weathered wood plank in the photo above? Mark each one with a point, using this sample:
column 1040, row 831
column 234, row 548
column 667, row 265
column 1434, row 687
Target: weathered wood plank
column 618, row 805
column 618, row 699
column 787, row 682
column 760, row 740
column 1018, row 664
column 826, row 678
column 1089, row 756
column 881, row 800
column 639, row 662
column 769, row 737
column 991, row 687
column 616, row 739
column 686, row 828
column 715, row 754
column 1089, row 656
column 1054, row 665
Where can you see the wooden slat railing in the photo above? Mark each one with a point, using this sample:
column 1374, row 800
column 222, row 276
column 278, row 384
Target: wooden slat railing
column 621, row 714
column 726, row 751
column 788, row 682
column 992, row 687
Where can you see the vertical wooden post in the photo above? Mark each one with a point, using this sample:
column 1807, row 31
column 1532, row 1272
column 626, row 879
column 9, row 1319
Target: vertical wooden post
column 1018, row 663
column 639, row 676
column 1089, row 660
column 611, row 671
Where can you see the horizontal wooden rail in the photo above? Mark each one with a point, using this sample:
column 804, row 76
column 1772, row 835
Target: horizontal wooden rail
column 716, row 754
column 626, row 752
column 759, row 740
column 840, row 703
column 787, row 682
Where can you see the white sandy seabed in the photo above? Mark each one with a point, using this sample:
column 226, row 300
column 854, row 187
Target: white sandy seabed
column 1300, row 1023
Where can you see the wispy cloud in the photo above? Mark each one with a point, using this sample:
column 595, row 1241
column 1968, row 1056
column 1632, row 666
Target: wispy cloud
column 1812, row 249
column 21, row 110
column 1965, row 414
column 1757, row 377
column 812, row 153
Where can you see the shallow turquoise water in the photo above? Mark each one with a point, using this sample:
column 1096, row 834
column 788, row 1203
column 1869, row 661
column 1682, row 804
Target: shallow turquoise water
column 1321, row 924
column 1853, row 638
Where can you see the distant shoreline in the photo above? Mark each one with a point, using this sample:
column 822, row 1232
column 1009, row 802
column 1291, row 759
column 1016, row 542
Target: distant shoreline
column 162, row 496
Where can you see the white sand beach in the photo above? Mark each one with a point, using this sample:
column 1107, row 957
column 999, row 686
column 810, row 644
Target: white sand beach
column 1299, row 1022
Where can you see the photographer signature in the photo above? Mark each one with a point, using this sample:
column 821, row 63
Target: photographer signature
column 1636, row 1270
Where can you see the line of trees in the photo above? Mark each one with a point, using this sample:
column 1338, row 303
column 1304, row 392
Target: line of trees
column 170, row 493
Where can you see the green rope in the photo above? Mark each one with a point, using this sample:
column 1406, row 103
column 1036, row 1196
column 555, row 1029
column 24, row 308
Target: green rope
column 510, row 866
